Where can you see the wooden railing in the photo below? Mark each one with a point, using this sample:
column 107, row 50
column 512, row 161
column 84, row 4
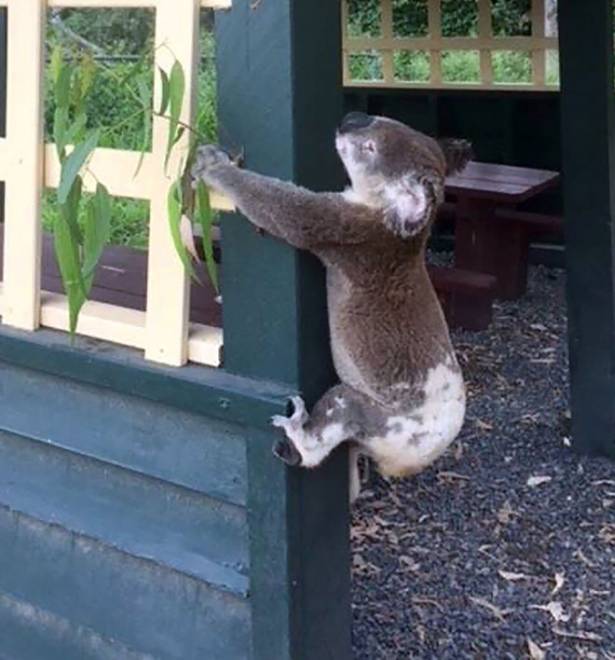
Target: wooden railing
column 27, row 166
column 432, row 45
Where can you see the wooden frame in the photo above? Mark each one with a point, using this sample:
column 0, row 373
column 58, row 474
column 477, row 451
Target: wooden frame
column 163, row 331
column 435, row 44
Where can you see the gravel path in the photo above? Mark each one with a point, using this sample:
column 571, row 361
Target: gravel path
column 506, row 547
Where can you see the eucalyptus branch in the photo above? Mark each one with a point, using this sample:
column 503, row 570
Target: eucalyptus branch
column 59, row 25
column 189, row 128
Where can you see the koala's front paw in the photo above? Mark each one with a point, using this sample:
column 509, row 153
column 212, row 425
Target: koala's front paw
column 208, row 158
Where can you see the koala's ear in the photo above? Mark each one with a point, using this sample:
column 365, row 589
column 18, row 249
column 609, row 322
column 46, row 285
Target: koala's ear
column 409, row 206
column 457, row 154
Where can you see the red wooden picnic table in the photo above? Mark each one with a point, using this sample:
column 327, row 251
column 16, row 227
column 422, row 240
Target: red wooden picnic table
column 484, row 241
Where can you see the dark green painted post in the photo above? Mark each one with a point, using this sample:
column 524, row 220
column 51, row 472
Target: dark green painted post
column 588, row 137
column 280, row 99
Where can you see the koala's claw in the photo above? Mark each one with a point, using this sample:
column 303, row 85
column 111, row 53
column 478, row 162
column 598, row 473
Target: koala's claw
column 208, row 157
column 300, row 415
column 287, row 452
column 296, row 421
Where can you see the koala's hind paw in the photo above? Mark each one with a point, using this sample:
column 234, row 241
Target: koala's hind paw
column 287, row 452
column 296, row 421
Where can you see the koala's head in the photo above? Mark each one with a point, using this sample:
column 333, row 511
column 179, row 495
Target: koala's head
column 395, row 168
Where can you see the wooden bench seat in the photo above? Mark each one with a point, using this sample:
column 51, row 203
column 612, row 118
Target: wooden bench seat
column 535, row 223
column 466, row 297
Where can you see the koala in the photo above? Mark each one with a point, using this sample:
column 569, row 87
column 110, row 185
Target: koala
column 401, row 399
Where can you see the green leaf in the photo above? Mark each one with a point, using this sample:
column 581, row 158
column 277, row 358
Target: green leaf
column 57, row 63
column 73, row 164
column 205, row 217
column 166, row 91
column 179, row 135
column 60, row 129
column 76, row 132
column 88, row 74
column 66, row 246
column 62, row 87
column 174, row 205
column 97, row 230
column 76, row 97
column 145, row 96
column 177, row 85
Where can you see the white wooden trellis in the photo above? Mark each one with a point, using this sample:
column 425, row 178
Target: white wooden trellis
column 27, row 166
column 386, row 44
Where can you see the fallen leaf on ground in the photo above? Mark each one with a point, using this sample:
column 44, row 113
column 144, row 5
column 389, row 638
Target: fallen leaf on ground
column 505, row 513
column 447, row 474
column 581, row 634
column 409, row 563
column 580, row 555
column 484, row 426
column 494, row 609
column 423, row 600
column 536, row 653
column 514, row 577
column 559, row 583
column 554, row 608
column 538, row 480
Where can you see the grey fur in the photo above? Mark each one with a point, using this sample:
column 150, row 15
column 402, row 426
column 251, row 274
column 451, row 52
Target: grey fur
column 387, row 327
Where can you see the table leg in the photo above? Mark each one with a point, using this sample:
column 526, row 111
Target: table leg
column 484, row 244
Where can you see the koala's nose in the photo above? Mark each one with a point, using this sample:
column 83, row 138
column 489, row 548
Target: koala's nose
column 354, row 121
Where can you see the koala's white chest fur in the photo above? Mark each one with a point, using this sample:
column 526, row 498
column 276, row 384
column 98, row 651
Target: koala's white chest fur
column 415, row 438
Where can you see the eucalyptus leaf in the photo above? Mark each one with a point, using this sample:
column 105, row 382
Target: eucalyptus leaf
column 73, row 164
column 76, row 132
column 205, row 217
column 145, row 96
column 62, row 87
column 66, row 244
column 166, row 91
column 57, row 62
column 60, row 130
column 177, row 85
column 174, row 207
column 88, row 74
column 96, row 233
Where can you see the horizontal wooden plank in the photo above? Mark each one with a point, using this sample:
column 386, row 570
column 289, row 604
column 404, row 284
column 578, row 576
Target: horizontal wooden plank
column 453, row 86
column 123, row 326
column 117, row 169
column 360, row 44
column 210, row 392
column 142, row 605
column 149, row 438
column 29, row 632
column 148, row 518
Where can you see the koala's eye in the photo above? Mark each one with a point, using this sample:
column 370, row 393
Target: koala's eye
column 368, row 147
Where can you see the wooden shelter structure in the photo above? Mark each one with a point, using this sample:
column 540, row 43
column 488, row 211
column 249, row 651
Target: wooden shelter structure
column 141, row 511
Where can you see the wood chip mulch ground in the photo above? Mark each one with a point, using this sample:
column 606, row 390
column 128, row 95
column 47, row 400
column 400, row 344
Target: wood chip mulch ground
column 506, row 547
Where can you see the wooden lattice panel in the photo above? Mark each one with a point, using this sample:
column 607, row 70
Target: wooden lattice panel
column 433, row 44
column 27, row 166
